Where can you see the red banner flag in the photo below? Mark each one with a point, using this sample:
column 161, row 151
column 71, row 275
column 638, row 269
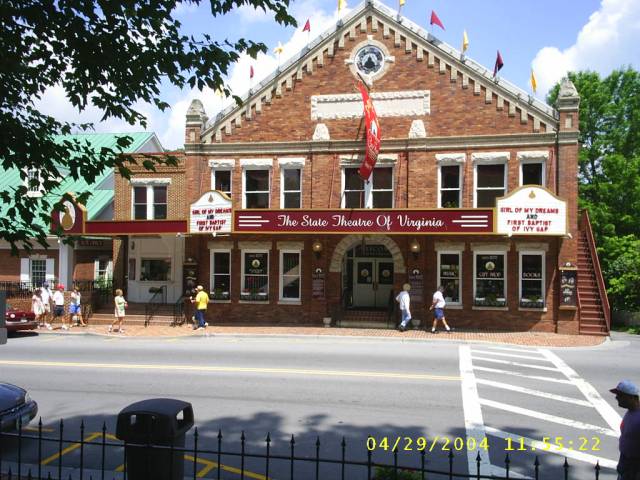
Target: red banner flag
column 373, row 135
column 499, row 64
column 251, row 71
column 435, row 20
column 307, row 26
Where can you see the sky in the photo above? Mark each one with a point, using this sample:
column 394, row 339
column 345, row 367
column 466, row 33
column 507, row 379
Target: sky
column 551, row 37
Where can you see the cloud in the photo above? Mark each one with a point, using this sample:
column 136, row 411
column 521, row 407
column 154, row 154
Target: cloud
column 606, row 42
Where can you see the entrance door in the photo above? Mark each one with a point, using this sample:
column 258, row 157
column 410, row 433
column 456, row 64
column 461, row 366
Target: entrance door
column 372, row 282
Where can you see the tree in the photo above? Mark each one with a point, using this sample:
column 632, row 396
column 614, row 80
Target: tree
column 110, row 54
column 609, row 175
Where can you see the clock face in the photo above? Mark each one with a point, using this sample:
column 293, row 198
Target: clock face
column 369, row 60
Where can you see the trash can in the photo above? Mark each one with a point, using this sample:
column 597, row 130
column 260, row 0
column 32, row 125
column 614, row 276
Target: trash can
column 148, row 427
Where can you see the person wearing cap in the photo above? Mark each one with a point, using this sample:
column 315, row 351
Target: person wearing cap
column 628, row 396
column 58, row 307
column 404, row 300
column 202, row 302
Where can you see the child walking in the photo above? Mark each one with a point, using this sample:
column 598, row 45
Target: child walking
column 120, row 304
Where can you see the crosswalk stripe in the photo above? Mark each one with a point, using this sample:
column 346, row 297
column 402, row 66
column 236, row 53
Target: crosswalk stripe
column 537, row 393
column 522, row 375
column 515, row 364
column 547, row 417
column 551, row 448
column 528, row 357
column 511, row 349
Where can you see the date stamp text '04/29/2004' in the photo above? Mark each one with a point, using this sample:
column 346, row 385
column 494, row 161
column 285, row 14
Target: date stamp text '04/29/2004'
column 409, row 444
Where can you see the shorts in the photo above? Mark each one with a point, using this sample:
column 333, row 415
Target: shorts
column 438, row 313
column 74, row 309
column 58, row 311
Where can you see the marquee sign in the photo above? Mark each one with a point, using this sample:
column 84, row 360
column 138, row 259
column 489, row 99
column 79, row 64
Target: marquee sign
column 531, row 210
column 211, row 214
column 440, row 221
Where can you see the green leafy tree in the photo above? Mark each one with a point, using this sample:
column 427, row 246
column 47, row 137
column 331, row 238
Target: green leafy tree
column 609, row 175
column 109, row 54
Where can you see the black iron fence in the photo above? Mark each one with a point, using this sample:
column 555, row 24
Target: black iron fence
column 22, row 457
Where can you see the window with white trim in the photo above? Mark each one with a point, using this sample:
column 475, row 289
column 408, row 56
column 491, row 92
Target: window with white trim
column 221, row 181
column 532, row 173
column 256, row 188
column 490, row 182
column 375, row 193
column 290, row 275
column 220, row 274
column 490, row 281
column 255, row 276
column 532, row 273
column 291, row 188
column 450, row 276
column 38, row 271
column 33, row 182
column 103, row 269
column 450, row 182
column 150, row 202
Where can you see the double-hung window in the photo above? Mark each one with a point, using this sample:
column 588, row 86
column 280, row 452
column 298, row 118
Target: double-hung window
column 220, row 274
column 291, row 182
column 256, row 183
column 450, row 168
column 150, row 200
column 377, row 192
column 490, row 178
column 533, row 167
column 222, row 175
column 38, row 271
column 489, row 273
column 290, row 275
column 531, row 267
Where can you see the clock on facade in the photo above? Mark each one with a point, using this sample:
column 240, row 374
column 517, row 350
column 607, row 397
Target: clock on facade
column 369, row 60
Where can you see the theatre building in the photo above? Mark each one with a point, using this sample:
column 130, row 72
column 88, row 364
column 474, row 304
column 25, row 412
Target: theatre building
column 475, row 188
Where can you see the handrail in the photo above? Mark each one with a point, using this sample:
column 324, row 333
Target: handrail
column 586, row 226
column 179, row 311
column 152, row 306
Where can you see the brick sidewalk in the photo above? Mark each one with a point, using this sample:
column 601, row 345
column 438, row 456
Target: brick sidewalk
column 533, row 339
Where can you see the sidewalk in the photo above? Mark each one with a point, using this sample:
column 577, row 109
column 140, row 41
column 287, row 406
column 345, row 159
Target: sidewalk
column 531, row 339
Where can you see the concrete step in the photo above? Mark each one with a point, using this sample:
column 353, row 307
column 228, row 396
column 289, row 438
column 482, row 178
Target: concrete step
column 367, row 324
column 107, row 319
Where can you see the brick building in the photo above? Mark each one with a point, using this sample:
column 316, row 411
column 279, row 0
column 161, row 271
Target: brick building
column 475, row 188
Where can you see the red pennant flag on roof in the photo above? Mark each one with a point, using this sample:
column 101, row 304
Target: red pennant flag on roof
column 307, row 26
column 499, row 64
column 435, row 20
column 251, row 71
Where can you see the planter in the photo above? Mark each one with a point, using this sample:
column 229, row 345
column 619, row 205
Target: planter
column 327, row 322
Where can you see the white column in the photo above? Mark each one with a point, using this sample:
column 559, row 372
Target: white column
column 65, row 265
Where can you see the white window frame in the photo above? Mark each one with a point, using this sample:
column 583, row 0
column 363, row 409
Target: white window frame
column 543, row 173
column 283, row 191
column 541, row 253
column 244, row 186
column 490, row 158
column 212, row 253
column 108, row 271
column 242, row 274
column 459, row 254
column 281, row 277
column 441, row 189
column 150, row 201
column 32, row 263
column 506, row 276
column 214, row 172
column 31, row 191
column 368, row 186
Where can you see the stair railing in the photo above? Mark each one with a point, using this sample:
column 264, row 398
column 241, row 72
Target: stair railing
column 602, row 290
column 158, row 298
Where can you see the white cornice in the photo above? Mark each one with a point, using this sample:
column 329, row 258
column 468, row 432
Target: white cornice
column 222, row 163
column 141, row 181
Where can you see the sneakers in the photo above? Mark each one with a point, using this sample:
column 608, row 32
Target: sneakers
column 49, row 327
column 64, row 327
column 206, row 324
column 434, row 331
column 449, row 330
column 110, row 329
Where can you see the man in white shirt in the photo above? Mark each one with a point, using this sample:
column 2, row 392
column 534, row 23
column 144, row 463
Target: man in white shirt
column 58, row 307
column 46, row 294
column 404, row 300
column 437, row 306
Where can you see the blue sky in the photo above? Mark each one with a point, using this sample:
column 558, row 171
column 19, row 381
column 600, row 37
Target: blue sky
column 550, row 36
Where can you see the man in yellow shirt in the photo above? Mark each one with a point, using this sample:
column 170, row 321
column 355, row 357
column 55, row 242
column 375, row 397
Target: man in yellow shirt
column 202, row 302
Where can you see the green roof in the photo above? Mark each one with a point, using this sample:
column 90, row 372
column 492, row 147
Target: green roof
column 99, row 198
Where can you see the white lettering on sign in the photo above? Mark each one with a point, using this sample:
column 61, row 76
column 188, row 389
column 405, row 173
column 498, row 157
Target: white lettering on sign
column 211, row 214
column 531, row 210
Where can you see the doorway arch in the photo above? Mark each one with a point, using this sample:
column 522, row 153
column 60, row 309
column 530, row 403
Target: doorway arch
column 350, row 241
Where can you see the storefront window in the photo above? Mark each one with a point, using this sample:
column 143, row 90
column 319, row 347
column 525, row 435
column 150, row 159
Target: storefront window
column 489, row 276
column 490, row 184
column 289, row 275
column 221, row 275
column 255, row 276
column 449, row 276
column 156, row 270
column 291, row 188
column 531, row 280
column 222, row 181
column 256, row 188
column 450, row 186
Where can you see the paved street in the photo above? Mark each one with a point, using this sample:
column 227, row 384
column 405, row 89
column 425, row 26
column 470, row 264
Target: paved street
column 433, row 395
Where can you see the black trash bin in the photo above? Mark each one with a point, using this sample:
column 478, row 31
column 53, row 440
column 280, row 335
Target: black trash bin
column 161, row 423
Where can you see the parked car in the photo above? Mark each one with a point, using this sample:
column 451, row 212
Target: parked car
column 17, row 319
column 15, row 406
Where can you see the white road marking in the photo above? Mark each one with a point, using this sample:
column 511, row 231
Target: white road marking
column 528, row 357
column 552, row 448
column 548, row 418
column 515, row 364
column 537, row 393
column 522, row 375
column 473, row 422
column 607, row 412
column 510, row 349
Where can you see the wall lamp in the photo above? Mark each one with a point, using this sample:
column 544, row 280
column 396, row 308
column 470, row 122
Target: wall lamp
column 414, row 247
column 317, row 248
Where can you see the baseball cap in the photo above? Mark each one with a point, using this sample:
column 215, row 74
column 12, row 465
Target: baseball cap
column 199, row 287
column 625, row 386
column 60, row 286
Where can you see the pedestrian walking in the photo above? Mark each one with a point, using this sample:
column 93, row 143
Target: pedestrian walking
column 37, row 307
column 120, row 305
column 628, row 396
column 46, row 294
column 404, row 300
column 202, row 302
column 58, row 308
column 437, row 306
column 75, row 309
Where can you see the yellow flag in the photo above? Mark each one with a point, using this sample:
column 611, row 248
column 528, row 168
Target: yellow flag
column 279, row 49
column 341, row 4
column 534, row 84
column 465, row 41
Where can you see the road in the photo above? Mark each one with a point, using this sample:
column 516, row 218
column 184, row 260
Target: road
column 441, row 396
